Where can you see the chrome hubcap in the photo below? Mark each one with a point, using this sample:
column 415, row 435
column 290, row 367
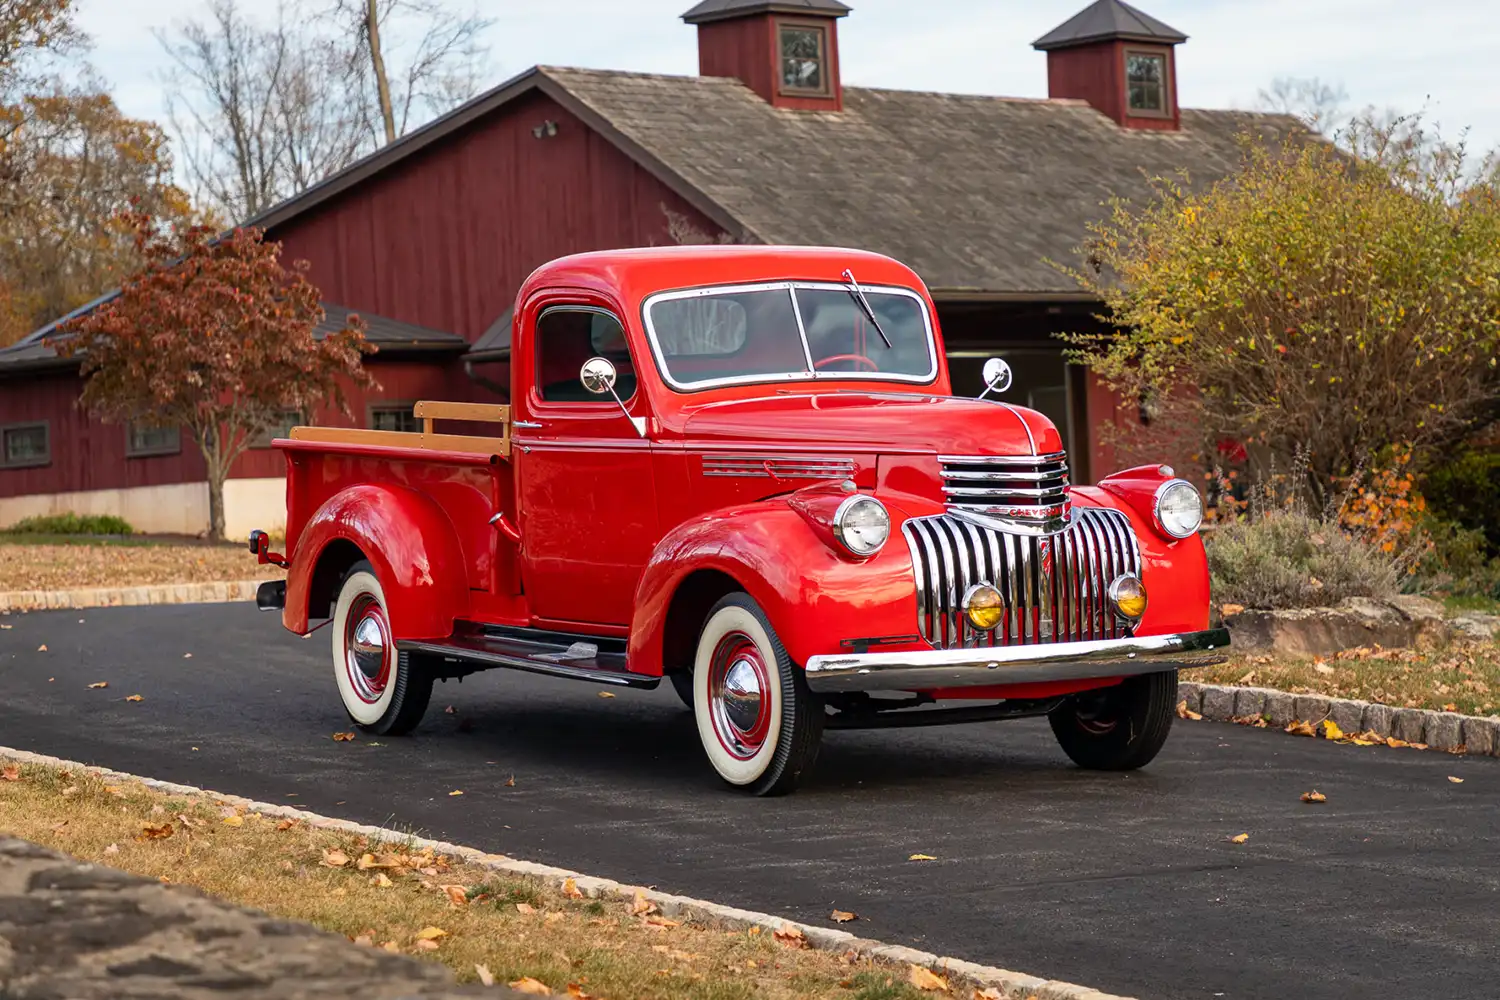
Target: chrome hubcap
column 739, row 697
column 367, row 649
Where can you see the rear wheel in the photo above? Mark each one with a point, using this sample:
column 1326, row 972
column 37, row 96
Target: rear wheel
column 759, row 723
column 1117, row 728
column 384, row 691
column 682, row 683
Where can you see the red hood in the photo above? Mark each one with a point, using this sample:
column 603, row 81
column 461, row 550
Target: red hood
column 878, row 422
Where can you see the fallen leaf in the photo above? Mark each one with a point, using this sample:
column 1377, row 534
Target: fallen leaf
column 1230, row 610
column 1299, row 728
column 457, row 895
column 1323, row 669
column 364, row 940
column 842, row 916
column 1450, row 707
column 392, row 946
column 42, row 648
column 661, row 923
column 486, row 977
column 640, row 906
column 989, row 993
column 285, row 825
column 187, row 656
column 382, row 881
column 63, row 828
column 511, row 782
column 343, row 737
column 112, row 849
column 425, row 945
column 602, row 694
column 450, row 710
column 526, row 908
column 334, row 859
column 921, row 857
column 532, row 986
column 1183, row 712
column 454, row 792
column 791, row 935
column 926, row 980
column 98, row 684
column 570, row 889
column 576, row 992
column 1239, row 839
column 234, row 821
column 1395, row 744
column 70, row 791
column 1456, row 781
column 10, row 773
column 552, row 918
column 1314, row 796
column 114, row 790
column 1331, row 731
column 431, row 934
column 152, row 832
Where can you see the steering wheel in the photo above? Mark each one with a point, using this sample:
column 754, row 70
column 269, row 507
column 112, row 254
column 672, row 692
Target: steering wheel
column 857, row 359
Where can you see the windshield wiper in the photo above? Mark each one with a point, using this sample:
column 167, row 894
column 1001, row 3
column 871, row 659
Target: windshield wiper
column 858, row 295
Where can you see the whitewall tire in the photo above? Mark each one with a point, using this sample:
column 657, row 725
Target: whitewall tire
column 759, row 724
column 383, row 691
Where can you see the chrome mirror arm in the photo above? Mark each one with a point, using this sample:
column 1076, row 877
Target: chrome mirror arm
column 639, row 423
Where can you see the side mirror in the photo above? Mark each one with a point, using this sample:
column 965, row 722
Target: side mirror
column 996, row 375
column 598, row 376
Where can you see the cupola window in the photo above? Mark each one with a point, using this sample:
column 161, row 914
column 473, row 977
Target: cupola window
column 1146, row 82
column 804, row 58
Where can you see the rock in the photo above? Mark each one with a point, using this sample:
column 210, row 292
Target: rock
column 1409, row 724
column 1191, row 693
column 1280, row 708
column 1218, row 703
column 1377, row 720
column 1250, row 701
column 1443, row 731
column 1474, row 625
column 1348, row 715
column 1310, row 708
column 1357, row 621
column 1482, row 736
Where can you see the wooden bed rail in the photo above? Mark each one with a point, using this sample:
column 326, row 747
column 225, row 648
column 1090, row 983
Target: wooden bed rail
column 427, row 411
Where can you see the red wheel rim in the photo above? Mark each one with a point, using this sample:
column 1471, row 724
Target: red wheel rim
column 367, row 648
column 739, row 695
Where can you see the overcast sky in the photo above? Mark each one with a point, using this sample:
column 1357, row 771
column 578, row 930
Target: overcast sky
column 1440, row 54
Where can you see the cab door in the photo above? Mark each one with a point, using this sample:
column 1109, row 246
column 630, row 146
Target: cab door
column 587, row 502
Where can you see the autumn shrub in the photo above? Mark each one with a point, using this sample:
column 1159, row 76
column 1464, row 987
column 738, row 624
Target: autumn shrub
column 72, row 524
column 1465, row 489
column 1290, row 559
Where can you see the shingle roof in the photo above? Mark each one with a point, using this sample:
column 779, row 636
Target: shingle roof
column 718, row 10
column 975, row 193
column 494, row 343
column 1108, row 19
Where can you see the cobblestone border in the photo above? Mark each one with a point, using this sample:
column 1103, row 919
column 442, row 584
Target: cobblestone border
column 221, row 592
column 1439, row 730
column 1012, row 985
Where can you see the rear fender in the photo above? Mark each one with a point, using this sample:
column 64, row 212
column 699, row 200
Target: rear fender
column 409, row 541
column 814, row 596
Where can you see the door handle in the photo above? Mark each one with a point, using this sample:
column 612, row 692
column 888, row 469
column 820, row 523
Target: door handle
column 529, row 425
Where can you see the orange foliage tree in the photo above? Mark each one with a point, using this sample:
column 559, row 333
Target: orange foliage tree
column 213, row 335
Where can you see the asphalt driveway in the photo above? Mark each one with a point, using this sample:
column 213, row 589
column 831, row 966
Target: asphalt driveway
column 1127, row 883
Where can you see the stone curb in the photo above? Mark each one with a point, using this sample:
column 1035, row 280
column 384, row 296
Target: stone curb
column 1439, row 730
column 221, row 592
column 1012, row 985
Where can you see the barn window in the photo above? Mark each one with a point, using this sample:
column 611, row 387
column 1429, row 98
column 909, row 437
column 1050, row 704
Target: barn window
column 394, row 417
column 1146, row 82
column 25, row 445
column 279, row 427
column 143, row 442
column 804, row 59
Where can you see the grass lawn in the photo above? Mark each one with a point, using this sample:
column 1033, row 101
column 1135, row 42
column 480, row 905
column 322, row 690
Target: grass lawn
column 1458, row 677
column 401, row 899
column 48, row 562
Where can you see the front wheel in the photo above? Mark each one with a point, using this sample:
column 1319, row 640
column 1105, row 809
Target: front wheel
column 759, row 723
column 1117, row 728
column 385, row 692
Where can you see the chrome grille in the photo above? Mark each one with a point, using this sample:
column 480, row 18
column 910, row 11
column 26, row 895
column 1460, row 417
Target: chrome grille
column 779, row 468
column 1053, row 586
column 1026, row 491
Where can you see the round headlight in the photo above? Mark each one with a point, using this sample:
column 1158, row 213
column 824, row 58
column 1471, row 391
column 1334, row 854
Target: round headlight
column 1179, row 508
column 1128, row 595
column 862, row 524
column 983, row 607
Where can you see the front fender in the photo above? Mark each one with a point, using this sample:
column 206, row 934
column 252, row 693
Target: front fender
column 814, row 596
column 407, row 539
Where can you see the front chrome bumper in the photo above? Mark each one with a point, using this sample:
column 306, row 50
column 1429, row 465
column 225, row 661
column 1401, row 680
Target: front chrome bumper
column 930, row 669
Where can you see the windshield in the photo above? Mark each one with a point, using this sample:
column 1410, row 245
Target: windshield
column 787, row 331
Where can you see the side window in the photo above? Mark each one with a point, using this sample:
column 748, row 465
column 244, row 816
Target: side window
column 566, row 337
column 280, row 427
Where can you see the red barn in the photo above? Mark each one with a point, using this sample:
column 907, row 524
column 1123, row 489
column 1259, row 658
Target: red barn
column 429, row 238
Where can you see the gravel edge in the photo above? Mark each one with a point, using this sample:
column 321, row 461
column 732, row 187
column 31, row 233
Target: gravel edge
column 1013, row 985
column 1439, row 730
column 220, row 592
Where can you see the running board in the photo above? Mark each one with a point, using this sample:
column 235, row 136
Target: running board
column 580, row 658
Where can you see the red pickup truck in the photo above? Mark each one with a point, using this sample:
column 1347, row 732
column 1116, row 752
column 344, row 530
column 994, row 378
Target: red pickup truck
column 741, row 469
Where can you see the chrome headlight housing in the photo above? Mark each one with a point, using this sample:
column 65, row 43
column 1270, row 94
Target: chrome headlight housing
column 1178, row 508
column 862, row 525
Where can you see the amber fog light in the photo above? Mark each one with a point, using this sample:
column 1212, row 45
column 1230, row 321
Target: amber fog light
column 1128, row 595
column 983, row 607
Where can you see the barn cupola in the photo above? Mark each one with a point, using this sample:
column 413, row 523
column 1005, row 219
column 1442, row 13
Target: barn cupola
column 1119, row 59
column 787, row 51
